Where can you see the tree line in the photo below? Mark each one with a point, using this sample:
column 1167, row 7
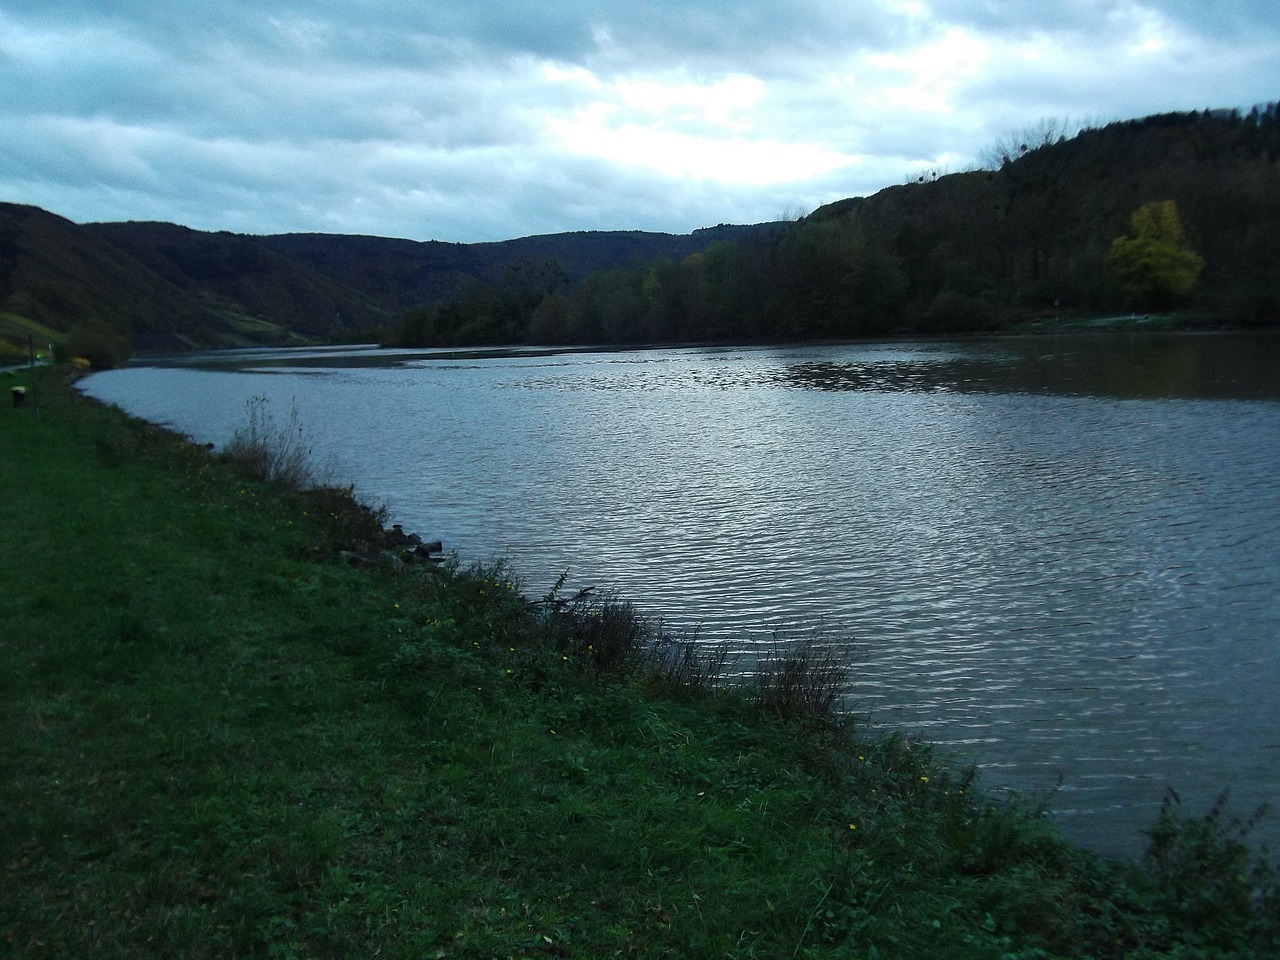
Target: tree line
column 1174, row 211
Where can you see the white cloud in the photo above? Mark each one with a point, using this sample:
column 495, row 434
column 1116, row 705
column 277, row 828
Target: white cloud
column 927, row 78
column 683, row 129
column 678, row 155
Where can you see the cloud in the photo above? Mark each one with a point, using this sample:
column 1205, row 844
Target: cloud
column 485, row 120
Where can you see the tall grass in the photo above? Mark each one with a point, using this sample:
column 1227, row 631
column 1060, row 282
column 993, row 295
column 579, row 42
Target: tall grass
column 803, row 680
column 276, row 453
column 685, row 667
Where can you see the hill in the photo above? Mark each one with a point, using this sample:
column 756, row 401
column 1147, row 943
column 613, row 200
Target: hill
column 55, row 276
column 160, row 286
column 1036, row 234
column 243, row 288
column 111, row 289
column 404, row 275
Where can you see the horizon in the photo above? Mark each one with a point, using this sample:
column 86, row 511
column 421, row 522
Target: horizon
column 1068, row 132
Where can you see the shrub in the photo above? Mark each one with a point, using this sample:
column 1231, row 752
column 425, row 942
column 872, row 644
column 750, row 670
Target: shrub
column 1201, row 874
column 804, row 683
column 600, row 632
column 684, row 668
column 604, row 634
column 277, row 454
column 349, row 523
column 101, row 348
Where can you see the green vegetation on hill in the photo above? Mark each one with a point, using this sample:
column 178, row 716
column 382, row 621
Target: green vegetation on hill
column 115, row 287
column 98, row 298
column 224, row 739
column 259, row 296
column 20, row 338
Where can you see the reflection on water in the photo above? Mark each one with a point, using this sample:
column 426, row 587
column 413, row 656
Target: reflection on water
column 1134, row 366
column 1054, row 556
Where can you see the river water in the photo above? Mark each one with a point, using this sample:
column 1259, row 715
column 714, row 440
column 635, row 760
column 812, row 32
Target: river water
column 1054, row 557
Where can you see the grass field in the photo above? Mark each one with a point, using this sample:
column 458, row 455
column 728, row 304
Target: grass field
column 222, row 739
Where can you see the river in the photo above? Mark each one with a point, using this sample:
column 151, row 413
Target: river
column 1055, row 557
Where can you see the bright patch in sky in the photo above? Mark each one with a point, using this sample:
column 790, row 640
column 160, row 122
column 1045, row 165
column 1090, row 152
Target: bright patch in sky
column 598, row 132
column 926, row 79
column 684, row 129
column 722, row 103
column 1153, row 34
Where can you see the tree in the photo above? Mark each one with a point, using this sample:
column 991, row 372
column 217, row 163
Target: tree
column 1153, row 264
column 418, row 329
column 1016, row 144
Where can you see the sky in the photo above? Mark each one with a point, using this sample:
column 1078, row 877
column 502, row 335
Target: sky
column 475, row 120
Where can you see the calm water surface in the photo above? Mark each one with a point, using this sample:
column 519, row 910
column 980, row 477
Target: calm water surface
column 1056, row 557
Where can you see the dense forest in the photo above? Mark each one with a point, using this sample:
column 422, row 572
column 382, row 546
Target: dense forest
column 1177, row 211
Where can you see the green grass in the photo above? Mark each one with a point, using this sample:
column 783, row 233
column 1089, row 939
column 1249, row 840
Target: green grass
column 222, row 740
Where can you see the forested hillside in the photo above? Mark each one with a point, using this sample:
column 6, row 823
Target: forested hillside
column 103, row 291
column 106, row 289
column 55, row 279
column 1173, row 212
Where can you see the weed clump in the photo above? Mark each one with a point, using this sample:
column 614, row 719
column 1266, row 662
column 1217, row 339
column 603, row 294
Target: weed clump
column 1201, row 874
column 271, row 452
column 805, row 682
column 683, row 668
column 347, row 522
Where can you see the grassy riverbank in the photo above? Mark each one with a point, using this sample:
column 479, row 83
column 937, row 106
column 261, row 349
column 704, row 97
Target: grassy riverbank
column 222, row 739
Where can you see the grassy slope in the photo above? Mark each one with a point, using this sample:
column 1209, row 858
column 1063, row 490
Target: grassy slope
column 221, row 741
column 14, row 334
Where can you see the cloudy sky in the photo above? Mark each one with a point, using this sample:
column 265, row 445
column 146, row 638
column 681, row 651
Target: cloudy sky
column 471, row 120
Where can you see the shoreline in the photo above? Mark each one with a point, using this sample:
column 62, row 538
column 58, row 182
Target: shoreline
column 1196, row 323
column 227, row 739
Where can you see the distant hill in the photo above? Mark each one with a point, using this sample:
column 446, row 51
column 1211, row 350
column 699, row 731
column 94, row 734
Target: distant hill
column 247, row 292
column 403, row 275
column 978, row 248
column 160, row 286
column 56, row 275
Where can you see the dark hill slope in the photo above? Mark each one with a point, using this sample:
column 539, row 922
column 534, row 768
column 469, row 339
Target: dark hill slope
column 158, row 286
column 402, row 275
column 243, row 282
column 1035, row 233
column 396, row 274
column 166, row 287
column 61, row 276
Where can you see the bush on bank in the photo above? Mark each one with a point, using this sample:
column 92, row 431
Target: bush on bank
column 222, row 739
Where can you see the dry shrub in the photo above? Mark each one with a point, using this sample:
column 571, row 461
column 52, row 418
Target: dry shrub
column 803, row 681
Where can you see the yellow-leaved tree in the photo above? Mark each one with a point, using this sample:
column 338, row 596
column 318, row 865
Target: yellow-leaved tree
column 1153, row 264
